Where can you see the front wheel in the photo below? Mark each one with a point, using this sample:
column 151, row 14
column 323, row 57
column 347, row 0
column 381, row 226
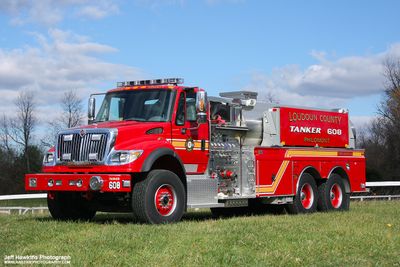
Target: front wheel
column 160, row 198
column 306, row 197
column 333, row 195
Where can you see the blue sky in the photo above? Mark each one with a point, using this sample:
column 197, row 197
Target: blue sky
column 311, row 53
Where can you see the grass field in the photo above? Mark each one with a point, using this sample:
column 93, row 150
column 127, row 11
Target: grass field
column 368, row 235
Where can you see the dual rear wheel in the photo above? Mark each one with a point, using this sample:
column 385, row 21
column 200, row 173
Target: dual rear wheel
column 305, row 200
column 332, row 195
column 329, row 195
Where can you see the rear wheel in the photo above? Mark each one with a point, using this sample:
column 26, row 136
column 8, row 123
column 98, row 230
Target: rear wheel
column 306, row 197
column 332, row 195
column 69, row 206
column 160, row 198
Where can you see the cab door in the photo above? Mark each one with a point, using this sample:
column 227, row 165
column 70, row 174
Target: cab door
column 190, row 139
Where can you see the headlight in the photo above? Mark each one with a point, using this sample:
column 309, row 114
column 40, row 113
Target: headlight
column 96, row 183
column 48, row 159
column 119, row 157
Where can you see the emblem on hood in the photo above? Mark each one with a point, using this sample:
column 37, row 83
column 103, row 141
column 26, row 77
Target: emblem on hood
column 82, row 133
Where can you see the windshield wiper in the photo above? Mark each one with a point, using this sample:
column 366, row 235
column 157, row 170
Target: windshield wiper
column 135, row 119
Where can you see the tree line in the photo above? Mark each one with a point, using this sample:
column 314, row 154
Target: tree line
column 381, row 138
column 20, row 153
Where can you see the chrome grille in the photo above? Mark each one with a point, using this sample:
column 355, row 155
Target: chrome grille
column 74, row 147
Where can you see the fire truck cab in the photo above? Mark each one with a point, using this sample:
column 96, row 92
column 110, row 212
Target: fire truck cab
column 156, row 148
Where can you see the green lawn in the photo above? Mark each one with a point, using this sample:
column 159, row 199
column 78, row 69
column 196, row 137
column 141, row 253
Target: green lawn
column 368, row 235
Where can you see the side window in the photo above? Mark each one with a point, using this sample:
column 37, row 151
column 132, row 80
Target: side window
column 220, row 109
column 180, row 113
column 191, row 107
column 116, row 108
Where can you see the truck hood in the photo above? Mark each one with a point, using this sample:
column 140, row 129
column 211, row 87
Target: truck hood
column 130, row 133
column 114, row 124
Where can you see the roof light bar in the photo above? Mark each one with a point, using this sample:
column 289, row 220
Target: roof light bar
column 174, row 81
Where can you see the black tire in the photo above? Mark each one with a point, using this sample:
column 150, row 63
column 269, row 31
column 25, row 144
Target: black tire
column 66, row 206
column 160, row 198
column 332, row 195
column 306, row 198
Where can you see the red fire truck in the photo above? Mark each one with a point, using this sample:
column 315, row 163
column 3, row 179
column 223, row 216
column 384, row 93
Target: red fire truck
column 156, row 148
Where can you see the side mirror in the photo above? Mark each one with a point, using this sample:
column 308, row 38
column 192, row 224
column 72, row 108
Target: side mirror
column 91, row 109
column 201, row 107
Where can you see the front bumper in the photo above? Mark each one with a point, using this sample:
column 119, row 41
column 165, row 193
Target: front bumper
column 76, row 182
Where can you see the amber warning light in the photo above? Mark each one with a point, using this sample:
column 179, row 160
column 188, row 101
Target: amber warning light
column 173, row 81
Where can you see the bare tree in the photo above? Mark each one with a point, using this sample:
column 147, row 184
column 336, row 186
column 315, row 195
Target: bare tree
column 72, row 108
column 383, row 142
column 71, row 116
column 271, row 98
column 392, row 74
column 20, row 128
column 5, row 133
column 390, row 106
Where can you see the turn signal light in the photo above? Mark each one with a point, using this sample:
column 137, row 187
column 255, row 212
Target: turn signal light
column 32, row 182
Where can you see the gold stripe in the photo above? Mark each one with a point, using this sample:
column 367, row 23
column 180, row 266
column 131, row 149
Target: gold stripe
column 279, row 175
column 178, row 143
column 285, row 163
column 294, row 153
column 197, row 144
column 278, row 178
column 182, row 144
column 184, row 140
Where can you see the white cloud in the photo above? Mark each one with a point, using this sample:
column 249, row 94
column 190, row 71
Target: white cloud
column 328, row 83
column 99, row 10
column 361, row 122
column 61, row 62
column 49, row 12
column 13, row 6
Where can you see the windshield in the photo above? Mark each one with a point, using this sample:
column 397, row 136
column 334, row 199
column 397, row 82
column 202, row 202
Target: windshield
column 138, row 105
